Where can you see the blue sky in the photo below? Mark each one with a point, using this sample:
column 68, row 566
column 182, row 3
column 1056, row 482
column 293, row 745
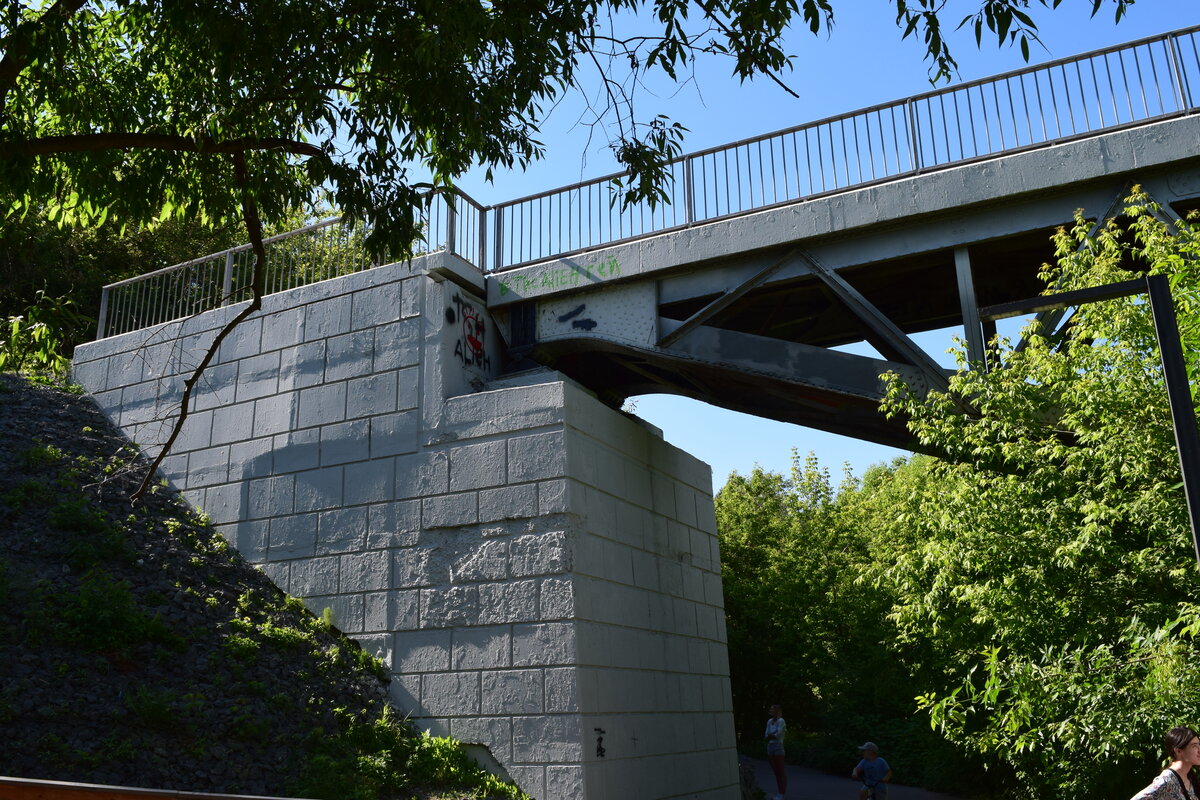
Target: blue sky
column 863, row 62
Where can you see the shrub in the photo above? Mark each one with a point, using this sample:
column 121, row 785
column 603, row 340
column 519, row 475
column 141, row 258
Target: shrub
column 35, row 340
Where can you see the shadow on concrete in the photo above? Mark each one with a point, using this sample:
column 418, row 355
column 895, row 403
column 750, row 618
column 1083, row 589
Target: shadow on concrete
column 809, row 784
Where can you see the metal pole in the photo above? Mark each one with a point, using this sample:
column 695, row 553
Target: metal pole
column 1183, row 414
column 451, row 221
column 227, row 279
column 1177, row 74
column 913, row 140
column 498, row 239
column 102, row 317
column 689, row 191
column 483, row 239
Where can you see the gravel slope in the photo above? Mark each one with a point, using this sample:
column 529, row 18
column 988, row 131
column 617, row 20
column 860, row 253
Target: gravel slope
column 135, row 648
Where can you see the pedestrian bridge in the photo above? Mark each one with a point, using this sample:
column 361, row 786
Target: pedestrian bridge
column 769, row 254
column 540, row 572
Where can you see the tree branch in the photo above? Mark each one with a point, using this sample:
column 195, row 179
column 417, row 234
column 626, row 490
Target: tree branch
column 257, row 284
column 21, row 41
column 86, row 142
column 762, row 68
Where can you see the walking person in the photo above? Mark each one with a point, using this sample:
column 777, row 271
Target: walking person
column 873, row 771
column 1178, row 781
column 776, row 728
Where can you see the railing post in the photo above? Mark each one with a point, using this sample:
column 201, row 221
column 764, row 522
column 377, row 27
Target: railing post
column 483, row 233
column 914, row 143
column 689, row 191
column 451, row 221
column 227, row 280
column 102, row 318
column 499, row 237
column 1185, row 100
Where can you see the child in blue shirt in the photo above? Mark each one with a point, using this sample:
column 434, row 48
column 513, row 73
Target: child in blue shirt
column 873, row 771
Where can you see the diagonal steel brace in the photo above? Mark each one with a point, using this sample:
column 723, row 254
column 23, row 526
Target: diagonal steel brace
column 723, row 302
column 876, row 321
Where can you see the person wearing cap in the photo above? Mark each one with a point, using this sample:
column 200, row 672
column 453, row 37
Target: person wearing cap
column 873, row 771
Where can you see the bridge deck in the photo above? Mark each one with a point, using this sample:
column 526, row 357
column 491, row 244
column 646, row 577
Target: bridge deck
column 741, row 312
column 869, row 226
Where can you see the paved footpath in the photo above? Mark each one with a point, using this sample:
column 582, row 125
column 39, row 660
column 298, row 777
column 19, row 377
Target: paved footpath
column 809, row 784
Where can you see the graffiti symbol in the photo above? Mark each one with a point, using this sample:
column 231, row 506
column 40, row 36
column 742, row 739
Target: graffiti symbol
column 575, row 312
column 584, row 324
column 471, row 345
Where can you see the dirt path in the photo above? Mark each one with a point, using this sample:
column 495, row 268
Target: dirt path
column 809, row 784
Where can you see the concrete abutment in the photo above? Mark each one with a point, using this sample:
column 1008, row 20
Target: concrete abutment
column 539, row 571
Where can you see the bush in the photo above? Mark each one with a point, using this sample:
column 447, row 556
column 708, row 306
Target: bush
column 36, row 340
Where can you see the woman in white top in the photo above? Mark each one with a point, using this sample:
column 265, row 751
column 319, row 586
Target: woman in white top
column 1177, row 781
column 776, row 727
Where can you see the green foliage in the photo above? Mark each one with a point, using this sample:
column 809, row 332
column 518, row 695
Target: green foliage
column 27, row 493
column 380, row 757
column 152, row 707
column 1033, row 595
column 286, row 637
column 103, row 616
column 77, row 515
column 807, row 628
column 144, row 112
column 241, row 648
column 38, row 254
column 35, row 341
column 1054, row 596
column 40, row 456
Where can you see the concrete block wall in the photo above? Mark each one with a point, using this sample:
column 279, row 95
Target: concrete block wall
column 539, row 571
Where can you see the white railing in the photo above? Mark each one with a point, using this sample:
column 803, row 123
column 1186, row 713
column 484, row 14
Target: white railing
column 313, row 253
column 1104, row 90
column 1129, row 84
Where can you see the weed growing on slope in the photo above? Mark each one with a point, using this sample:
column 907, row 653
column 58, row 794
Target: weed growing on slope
column 40, row 456
column 381, row 757
column 104, row 617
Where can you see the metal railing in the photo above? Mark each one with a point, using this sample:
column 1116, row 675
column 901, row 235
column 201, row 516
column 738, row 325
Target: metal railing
column 1128, row 84
column 1103, row 90
column 313, row 253
column 34, row 789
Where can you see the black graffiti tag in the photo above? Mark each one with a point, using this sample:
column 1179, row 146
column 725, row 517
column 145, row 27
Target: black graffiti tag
column 471, row 346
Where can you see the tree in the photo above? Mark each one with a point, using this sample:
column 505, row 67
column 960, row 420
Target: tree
column 39, row 255
column 1056, row 596
column 809, row 628
column 141, row 110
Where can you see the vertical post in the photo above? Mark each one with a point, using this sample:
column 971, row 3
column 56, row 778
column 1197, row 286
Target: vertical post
column 914, row 144
column 1185, row 102
column 483, row 235
column 1183, row 414
column 102, row 318
column 227, row 280
column 451, row 220
column 689, row 192
column 972, row 328
column 499, row 236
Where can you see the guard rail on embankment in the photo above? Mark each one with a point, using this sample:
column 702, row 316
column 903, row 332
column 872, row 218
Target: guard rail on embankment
column 28, row 789
column 1136, row 83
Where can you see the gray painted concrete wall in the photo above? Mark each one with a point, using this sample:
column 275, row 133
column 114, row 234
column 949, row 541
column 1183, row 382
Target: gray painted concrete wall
column 540, row 572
